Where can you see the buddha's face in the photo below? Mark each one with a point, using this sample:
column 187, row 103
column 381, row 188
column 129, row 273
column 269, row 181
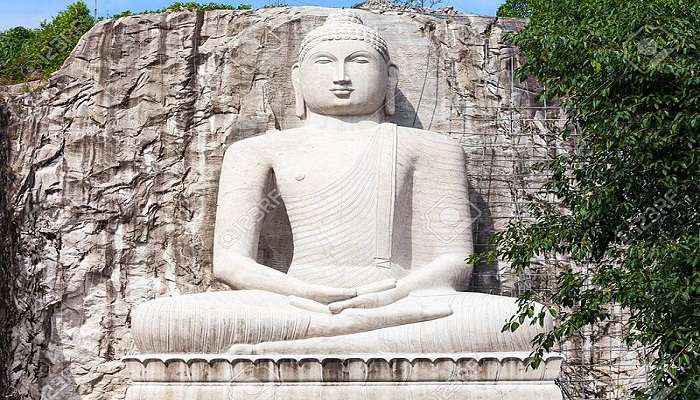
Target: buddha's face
column 343, row 77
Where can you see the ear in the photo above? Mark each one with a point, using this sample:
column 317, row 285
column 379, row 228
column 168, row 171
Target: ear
column 392, row 83
column 300, row 107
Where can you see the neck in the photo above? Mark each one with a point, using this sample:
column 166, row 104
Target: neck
column 342, row 123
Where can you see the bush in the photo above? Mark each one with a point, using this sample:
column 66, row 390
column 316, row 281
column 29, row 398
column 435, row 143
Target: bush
column 13, row 57
column 627, row 201
column 193, row 6
column 514, row 9
column 34, row 54
column 188, row 6
column 30, row 54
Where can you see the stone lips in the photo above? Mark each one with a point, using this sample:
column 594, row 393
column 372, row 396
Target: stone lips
column 451, row 368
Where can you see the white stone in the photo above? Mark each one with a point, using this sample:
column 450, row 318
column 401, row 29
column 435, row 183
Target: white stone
column 380, row 220
column 503, row 376
column 381, row 225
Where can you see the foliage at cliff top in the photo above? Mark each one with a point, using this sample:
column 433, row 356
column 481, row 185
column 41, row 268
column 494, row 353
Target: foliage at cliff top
column 188, row 6
column 514, row 9
column 30, row 54
column 627, row 218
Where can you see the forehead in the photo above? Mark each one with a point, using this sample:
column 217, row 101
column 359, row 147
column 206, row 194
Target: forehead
column 343, row 48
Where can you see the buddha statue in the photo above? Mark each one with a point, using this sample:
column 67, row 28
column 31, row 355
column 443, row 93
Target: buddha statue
column 377, row 213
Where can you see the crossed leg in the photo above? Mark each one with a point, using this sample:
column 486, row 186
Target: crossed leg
column 329, row 333
column 411, row 326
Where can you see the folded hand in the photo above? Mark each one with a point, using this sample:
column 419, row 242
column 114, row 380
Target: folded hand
column 325, row 294
column 371, row 299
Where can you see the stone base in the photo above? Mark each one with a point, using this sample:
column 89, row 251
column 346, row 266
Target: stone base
column 487, row 376
column 352, row 391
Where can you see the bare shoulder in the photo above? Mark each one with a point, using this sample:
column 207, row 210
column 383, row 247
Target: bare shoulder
column 431, row 144
column 263, row 146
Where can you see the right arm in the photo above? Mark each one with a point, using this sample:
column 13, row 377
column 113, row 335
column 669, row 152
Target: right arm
column 242, row 203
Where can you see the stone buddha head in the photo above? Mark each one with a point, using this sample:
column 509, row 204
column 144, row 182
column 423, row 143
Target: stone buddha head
column 344, row 70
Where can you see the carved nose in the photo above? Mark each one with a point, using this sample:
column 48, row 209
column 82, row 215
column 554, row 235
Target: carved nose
column 341, row 78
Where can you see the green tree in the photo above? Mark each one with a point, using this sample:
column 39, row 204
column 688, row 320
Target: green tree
column 35, row 54
column 28, row 54
column 417, row 4
column 187, row 6
column 194, row 6
column 55, row 40
column 13, row 62
column 275, row 4
column 514, row 9
column 627, row 75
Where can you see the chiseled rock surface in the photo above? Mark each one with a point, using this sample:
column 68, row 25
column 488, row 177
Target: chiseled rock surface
column 114, row 163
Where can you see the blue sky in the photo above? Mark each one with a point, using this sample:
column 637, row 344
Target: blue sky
column 30, row 13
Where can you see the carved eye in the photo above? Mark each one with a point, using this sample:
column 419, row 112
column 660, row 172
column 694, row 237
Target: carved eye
column 360, row 60
column 323, row 60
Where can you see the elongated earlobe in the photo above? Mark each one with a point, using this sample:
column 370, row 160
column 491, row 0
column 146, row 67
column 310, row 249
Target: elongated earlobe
column 300, row 107
column 392, row 83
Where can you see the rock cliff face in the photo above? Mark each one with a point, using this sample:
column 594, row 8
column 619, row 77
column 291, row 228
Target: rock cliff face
column 112, row 165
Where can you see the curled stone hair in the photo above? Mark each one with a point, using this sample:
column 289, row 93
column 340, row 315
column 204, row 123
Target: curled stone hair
column 344, row 25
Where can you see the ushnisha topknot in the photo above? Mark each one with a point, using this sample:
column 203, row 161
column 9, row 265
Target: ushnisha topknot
column 344, row 25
